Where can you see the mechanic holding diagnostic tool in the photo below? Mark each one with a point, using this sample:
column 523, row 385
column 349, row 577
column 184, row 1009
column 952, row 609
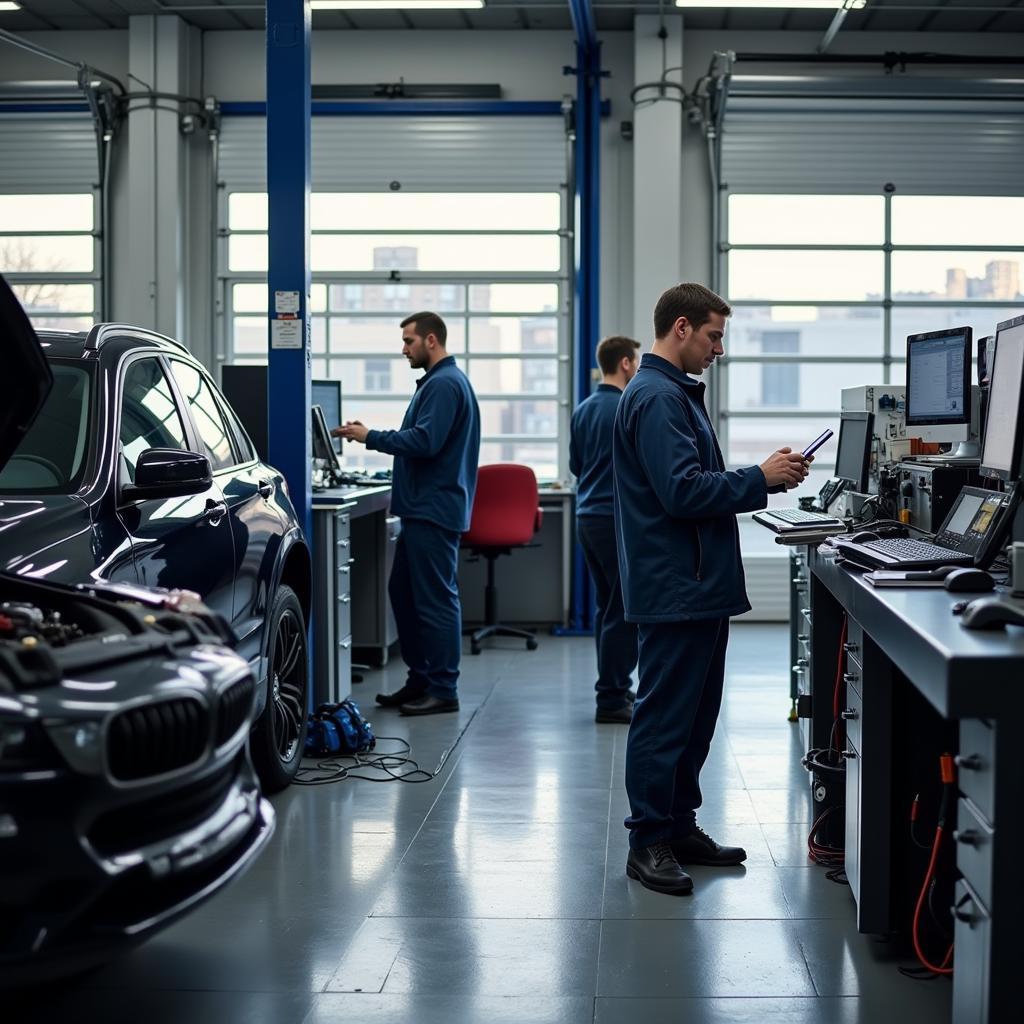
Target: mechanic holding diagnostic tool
column 682, row 579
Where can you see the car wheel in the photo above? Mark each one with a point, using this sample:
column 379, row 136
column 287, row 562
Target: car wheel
column 280, row 732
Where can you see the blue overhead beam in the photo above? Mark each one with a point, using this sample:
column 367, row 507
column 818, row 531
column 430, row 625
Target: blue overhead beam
column 288, row 277
column 416, row 108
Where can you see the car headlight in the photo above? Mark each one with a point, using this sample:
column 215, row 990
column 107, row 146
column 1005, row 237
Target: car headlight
column 25, row 747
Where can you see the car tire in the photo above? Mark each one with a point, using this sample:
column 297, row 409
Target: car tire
column 279, row 735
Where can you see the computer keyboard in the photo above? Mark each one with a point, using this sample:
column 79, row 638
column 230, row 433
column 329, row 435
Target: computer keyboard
column 903, row 549
column 796, row 516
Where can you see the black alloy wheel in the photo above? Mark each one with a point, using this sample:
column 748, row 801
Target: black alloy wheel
column 280, row 732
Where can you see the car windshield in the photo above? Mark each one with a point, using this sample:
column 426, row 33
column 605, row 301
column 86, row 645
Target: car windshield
column 51, row 456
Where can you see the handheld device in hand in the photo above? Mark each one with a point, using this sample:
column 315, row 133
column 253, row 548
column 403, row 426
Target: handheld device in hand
column 816, row 444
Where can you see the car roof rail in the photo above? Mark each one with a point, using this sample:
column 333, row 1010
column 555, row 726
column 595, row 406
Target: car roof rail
column 102, row 333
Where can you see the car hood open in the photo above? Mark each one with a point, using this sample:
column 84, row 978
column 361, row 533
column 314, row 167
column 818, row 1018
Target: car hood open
column 25, row 378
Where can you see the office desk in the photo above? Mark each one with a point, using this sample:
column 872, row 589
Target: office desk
column 897, row 641
column 353, row 547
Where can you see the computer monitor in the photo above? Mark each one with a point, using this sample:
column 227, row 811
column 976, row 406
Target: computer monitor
column 322, row 447
column 939, row 378
column 1004, row 426
column 853, row 454
column 941, row 404
column 327, row 394
column 245, row 388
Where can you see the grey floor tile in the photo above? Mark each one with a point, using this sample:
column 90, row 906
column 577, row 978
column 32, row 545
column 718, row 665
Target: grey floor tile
column 471, row 957
column 810, row 895
column 804, row 1010
column 540, row 804
column 336, row 1008
column 788, row 844
column 843, row 1010
column 232, row 952
column 701, row 958
column 495, row 889
column 781, row 806
column 736, row 894
column 468, row 846
column 844, row 962
column 160, row 1007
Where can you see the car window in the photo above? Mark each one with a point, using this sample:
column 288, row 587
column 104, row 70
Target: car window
column 245, row 450
column 52, row 455
column 149, row 417
column 213, row 431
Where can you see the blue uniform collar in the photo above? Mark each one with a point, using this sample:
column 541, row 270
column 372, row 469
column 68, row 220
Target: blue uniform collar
column 649, row 361
column 447, row 361
column 609, row 387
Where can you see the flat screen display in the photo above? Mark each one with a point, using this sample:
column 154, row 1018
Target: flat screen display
column 854, row 451
column 964, row 513
column 1002, row 448
column 327, row 394
column 938, row 377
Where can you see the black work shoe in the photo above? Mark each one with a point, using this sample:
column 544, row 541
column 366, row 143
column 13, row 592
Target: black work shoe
column 398, row 698
column 654, row 867
column 615, row 716
column 700, row 848
column 428, row 705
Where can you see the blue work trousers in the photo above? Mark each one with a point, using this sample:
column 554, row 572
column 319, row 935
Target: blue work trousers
column 615, row 638
column 682, row 669
column 424, row 591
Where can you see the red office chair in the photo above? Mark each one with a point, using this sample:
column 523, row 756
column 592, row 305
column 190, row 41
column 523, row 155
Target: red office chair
column 505, row 516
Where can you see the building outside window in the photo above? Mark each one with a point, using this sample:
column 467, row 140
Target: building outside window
column 825, row 290
column 493, row 266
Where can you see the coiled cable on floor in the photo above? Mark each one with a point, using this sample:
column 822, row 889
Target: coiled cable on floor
column 388, row 763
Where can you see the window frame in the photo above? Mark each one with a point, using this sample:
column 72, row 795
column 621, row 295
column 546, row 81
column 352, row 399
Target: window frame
column 561, row 357
column 93, row 277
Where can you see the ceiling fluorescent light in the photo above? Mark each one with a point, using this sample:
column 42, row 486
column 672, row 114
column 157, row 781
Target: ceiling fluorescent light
column 396, row 5
column 9, row 5
column 835, row 5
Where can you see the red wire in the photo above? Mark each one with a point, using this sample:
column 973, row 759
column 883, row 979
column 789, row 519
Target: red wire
column 925, row 962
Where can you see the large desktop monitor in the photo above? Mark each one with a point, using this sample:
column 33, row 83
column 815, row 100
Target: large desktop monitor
column 1004, row 426
column 245, row 388
column 939, row 398
column 853, row 454
column 327, row 394
column 323, row 449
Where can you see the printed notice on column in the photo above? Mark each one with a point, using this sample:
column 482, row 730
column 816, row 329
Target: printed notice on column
column 286, row 332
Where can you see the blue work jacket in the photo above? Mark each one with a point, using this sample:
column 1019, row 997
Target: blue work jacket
column 436, row 450
column 675, row 502
column 590, row 450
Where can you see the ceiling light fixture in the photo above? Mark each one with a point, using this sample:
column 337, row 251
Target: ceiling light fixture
column 396, row 5
column 9, row 5
column 835, row 5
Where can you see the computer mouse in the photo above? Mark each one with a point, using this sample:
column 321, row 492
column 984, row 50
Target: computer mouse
column 864, row 536
column 992, row 613
column 975, row 581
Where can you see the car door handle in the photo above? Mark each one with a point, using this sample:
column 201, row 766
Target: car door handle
column 266, row 488
column 215, row 511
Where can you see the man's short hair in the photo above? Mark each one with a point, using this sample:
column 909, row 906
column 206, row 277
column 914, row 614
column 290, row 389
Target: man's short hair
column 693, row 301
column 427, row 323
column 612, row 350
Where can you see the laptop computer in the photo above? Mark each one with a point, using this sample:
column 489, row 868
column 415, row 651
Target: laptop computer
column 965, row 538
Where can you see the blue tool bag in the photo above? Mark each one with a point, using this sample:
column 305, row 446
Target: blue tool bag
column 338, row 729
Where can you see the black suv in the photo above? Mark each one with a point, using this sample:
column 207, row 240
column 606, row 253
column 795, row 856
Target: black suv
column 127, row 795
column 137, row 471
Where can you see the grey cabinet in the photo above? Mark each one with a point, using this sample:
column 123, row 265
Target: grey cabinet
column 332, row 605
column 374, row 542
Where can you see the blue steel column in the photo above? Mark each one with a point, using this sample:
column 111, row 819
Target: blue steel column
column 587, row 199
column 288, row 163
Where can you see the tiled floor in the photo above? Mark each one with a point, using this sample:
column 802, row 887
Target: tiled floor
column 496, row 893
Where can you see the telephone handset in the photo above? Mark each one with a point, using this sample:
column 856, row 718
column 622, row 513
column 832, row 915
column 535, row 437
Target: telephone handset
column 831, row 490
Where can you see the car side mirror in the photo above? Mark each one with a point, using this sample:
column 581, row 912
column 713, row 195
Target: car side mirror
column 168, row 473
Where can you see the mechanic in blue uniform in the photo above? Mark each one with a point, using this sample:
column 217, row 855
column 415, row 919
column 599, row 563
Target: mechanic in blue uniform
column 433, row 482
column 682, row 579
column 590, row 461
